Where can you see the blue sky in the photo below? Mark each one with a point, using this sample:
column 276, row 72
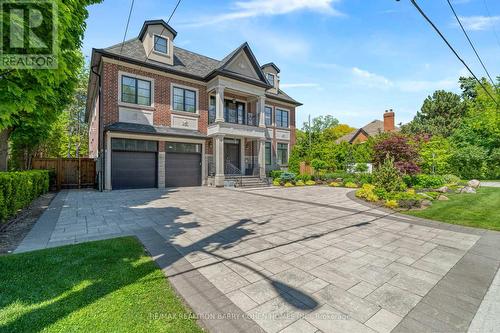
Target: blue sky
column 349, row 58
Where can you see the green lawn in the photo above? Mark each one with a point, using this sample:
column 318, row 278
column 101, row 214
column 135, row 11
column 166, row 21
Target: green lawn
column 105, row 286
column 481, row 210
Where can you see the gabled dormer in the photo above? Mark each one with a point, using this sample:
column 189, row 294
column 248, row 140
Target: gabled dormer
column 272, row 73
column 157, row 37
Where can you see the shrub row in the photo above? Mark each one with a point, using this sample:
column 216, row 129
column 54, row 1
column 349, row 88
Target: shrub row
column 18, row 189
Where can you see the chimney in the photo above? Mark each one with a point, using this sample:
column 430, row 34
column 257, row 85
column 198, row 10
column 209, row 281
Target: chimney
column 389, row 121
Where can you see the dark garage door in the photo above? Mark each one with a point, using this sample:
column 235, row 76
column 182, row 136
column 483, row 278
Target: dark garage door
column 133, row 169
column 182, row 164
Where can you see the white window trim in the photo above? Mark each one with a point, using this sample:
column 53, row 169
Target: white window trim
column 287, row 152
column 168, row 45
column 282, row 109
column 197, row 102
column 132, row 105
column 273, row 117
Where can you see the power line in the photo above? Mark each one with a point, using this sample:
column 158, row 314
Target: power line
column 488, row 13
column 470, row 42
column 452, row 49
column 126, row 28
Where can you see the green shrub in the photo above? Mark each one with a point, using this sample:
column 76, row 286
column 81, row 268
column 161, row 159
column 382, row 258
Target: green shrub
column 380, row 192
column 429, row 181
column 407, row 199
column 287, row 177
column 289, row 184
column 303, row 177
column 318, row 164
column 275, row 174
column 364, row 178
column 351, row 185
column 361, row 167
column 386, row 176
column 393, row 204
column 469, row 162
column 276, row 182
column 310, row 182
column 299, row 183
column 335, row 184
column 451, row 179
column 18, row 189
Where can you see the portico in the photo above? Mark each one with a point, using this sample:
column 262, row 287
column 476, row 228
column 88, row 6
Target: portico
column 237, row 128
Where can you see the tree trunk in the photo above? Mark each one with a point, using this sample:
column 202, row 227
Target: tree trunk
column 4, row 148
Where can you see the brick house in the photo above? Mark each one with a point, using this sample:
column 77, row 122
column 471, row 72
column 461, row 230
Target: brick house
column 162, row 116
column 373, row 128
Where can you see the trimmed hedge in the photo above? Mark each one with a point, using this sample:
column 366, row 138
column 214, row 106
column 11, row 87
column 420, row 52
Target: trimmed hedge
column 19, row 189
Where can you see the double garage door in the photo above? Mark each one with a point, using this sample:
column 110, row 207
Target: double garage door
column 134, row 164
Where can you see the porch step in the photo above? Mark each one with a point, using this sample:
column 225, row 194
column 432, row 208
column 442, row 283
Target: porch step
column 249, row 181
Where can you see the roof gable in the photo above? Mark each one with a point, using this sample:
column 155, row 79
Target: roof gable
column 243, row 55
column 156, row 22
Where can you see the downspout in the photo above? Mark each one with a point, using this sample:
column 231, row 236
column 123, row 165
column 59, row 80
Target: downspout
column 100, row 134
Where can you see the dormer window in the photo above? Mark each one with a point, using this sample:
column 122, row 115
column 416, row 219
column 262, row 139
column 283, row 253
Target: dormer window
column 270, row 78
column 161, row 44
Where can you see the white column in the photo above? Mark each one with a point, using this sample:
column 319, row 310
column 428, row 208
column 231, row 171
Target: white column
column 219, row 160
column 261, row 111
column 219, row 104
column 262, row 158
column 107, row 166
column 242, row 155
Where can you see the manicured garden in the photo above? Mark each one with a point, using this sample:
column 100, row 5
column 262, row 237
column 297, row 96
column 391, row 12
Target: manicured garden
column 105, row 286
column 480, row 210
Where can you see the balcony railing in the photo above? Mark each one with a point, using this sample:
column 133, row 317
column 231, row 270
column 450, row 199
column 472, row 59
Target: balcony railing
column 233, row 117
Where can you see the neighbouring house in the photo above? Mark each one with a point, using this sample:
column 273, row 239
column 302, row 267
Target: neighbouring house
column 162, row 116
column 371, row 129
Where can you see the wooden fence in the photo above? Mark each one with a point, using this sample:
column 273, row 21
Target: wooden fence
column 306, row 169
column 70, row 172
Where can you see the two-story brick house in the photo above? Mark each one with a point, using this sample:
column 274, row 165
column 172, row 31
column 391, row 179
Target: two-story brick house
column 162, row 116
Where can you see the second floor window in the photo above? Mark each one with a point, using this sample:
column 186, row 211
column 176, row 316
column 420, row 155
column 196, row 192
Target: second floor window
column 136, row 91
column 161, row 44
column 184, row 100
column 269, row 115
column 282, row 118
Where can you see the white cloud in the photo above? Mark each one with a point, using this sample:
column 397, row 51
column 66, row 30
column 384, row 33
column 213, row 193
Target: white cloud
column 370, row 79
column 299, row 85
column 254, row 8
column 477, row 23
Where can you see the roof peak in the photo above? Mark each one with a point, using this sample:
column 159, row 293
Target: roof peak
column 156, row 22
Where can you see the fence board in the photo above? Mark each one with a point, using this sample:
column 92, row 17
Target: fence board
column 70, row 172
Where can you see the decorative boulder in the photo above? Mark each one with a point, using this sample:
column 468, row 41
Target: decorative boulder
column 474, row 183
column 467, row 189
column 443, row 189
column 425, row 203
column 443, row 198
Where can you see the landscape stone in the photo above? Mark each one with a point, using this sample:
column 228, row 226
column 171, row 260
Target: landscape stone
column 442, row 189
column 474, row 183
column 468, row 189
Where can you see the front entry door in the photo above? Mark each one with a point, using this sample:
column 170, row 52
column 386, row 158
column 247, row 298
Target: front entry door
column 232, row 156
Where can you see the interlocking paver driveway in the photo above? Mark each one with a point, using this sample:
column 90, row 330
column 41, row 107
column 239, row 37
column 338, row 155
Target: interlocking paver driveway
column 297, row 260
